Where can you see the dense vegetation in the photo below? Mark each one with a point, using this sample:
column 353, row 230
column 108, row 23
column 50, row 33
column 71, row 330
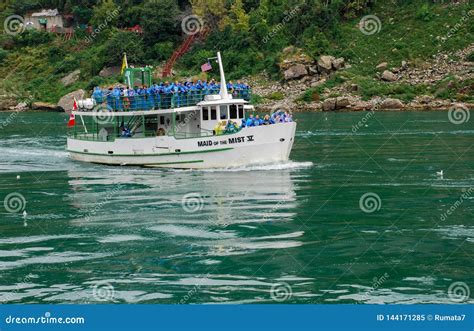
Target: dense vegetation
column 251, row 33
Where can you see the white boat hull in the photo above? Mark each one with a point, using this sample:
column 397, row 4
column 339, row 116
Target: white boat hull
column 254, row 145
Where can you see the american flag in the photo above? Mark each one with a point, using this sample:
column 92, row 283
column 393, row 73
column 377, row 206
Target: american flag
column 206, row 67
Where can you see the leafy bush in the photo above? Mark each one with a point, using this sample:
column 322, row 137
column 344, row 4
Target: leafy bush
column 277, row 95
column 470, row 57
column 124, row 42
column 3, row 55
column 33, row 38
column 424, row 13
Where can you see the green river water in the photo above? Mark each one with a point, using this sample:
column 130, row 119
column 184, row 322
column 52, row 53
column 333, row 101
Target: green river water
column 359, row 215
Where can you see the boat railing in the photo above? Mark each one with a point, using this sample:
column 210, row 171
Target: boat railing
column 186, row 135
column 159, row 100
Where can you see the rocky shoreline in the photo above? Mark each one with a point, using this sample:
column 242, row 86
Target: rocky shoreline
column 301, row 73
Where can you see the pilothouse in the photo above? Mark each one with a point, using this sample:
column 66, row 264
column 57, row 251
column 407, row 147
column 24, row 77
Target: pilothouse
column 180, row 128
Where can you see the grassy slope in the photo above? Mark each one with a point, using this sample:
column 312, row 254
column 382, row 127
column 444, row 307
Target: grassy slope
column 36, row 71
column 408, row 33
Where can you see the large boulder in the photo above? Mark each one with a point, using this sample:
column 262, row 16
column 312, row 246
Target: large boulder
column 67, row 101
column 45, row 106
column 391, row 103
column 325, row 63
column 342, row 102
column 338, row 63
column 295, row 71
column 329, row 104
column 389, row 76
column 71, row 78
column 361, row 105
column 110, row 71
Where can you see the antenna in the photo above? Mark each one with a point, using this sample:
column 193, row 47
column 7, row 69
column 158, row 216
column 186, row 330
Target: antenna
column 223, row 92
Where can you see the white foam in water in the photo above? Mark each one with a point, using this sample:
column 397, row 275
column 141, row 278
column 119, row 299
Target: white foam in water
column 262, row 167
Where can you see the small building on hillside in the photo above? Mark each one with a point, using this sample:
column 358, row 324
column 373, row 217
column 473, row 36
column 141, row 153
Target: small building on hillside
column 47, row 19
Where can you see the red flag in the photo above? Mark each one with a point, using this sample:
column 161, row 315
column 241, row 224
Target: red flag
column 72, row 120
column 74, row 105
column 206, row 67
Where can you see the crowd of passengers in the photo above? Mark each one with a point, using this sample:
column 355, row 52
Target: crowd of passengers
column 164, row 94
column 232, row 127
column 225, row 127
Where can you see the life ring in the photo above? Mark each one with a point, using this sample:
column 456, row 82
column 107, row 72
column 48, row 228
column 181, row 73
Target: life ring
column 126, row 103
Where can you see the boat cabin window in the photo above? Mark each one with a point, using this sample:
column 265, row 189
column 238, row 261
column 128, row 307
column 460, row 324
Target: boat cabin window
column 233, row 112
column 162, row 120
column 241, row 111
column 213, row 113
column 223, row 112
column 205, row 113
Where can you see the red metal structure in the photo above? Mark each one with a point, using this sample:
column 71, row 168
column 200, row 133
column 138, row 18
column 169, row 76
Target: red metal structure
column 137, row 29
column 182, row 49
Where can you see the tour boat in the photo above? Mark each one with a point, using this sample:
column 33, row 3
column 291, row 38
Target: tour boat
column 175, row 133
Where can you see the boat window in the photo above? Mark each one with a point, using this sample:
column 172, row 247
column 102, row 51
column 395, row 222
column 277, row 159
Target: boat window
column 223, row 112
column 233, row 111
column 205, row 113
column 213, row 113
column 162, row 120
column 241, row 111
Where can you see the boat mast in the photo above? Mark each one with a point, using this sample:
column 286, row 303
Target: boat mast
column 223, row 92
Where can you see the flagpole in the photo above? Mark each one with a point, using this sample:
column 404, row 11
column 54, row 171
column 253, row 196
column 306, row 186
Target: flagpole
column 127, row 74
column 82, row 120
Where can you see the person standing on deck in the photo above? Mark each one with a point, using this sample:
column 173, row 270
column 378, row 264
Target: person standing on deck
column 98, row 95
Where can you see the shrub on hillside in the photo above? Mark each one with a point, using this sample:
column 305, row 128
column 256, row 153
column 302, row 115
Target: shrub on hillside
column 3, row 55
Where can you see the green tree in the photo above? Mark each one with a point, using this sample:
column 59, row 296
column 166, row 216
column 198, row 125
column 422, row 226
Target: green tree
column 159, row 20
column 106, row 14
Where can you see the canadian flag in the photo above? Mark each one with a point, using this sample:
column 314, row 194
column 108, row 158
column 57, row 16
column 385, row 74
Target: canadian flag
column 72, row 120
column 72, row 117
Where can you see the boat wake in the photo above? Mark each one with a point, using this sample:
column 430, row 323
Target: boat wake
column 289, row 165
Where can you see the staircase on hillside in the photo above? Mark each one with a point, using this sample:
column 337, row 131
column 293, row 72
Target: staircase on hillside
column 182, row 49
